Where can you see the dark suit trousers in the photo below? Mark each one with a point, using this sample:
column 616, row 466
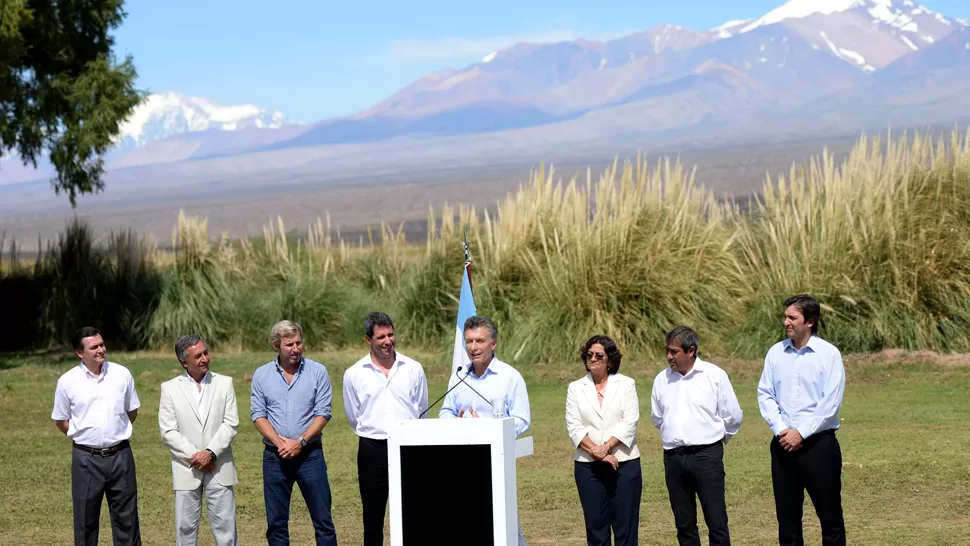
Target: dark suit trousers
column 373, row 482
column 610, row 498
column 697, row 472
column 92, row 478
column 816, row 467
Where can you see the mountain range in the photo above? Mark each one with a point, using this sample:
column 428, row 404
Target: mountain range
column 808, row 67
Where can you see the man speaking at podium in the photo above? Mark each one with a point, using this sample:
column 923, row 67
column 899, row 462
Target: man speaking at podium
column 490, row 383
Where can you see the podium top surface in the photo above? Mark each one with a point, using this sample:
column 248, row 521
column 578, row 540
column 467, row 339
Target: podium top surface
column 452, row 431
column 470, row 431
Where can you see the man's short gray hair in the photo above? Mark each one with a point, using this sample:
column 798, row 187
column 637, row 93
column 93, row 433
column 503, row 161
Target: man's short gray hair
column 283, row 328
column 477, row 322
column 183, row 343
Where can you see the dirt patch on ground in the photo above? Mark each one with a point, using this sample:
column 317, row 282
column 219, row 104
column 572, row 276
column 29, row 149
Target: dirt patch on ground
column 896, row 356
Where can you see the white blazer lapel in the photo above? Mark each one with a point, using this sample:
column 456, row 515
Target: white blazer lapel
column 610, row 394
column 186, row 386
column 590, row 390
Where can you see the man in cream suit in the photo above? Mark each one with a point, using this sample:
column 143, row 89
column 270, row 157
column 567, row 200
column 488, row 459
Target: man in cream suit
column 198, row 419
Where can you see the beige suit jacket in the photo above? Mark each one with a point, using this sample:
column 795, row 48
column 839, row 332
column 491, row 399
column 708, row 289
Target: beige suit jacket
column 186, row 429
column 618, row 417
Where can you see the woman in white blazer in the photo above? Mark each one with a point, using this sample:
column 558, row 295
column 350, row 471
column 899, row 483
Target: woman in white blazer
column 602, row 413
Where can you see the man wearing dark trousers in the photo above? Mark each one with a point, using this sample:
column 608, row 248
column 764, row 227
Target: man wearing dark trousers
column 800, row 395
column 382, row 388
column 95, row 405
column 694, row 406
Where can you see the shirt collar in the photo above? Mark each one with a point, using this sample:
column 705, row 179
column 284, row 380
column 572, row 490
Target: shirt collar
column 280, row 368
column 205, row 378
column 812, row 344
column 698, row 367
column 104, row 369
column 368, row 361
column 492, row 368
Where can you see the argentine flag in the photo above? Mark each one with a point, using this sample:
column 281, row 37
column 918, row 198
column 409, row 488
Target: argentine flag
column 466, row 308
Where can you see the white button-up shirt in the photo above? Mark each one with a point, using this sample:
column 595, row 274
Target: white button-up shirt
column 374, row 401
column 802, row 389
column 199, row 392
column 696, row 409
column 96, row 406
column 500, row 381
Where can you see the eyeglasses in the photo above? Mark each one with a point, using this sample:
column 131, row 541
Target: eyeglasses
column 595, row 356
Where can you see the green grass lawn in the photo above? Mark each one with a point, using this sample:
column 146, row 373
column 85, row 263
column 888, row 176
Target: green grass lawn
column 904, row 440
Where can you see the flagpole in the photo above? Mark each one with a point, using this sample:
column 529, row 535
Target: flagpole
column 466, row 309
column 468, row 259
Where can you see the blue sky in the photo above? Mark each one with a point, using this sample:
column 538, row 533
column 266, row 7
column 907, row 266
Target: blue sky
column 314, row 59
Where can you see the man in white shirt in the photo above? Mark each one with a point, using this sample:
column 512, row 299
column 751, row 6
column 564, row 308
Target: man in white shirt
column 95, row 405
column 694, row 406
column 488, row 379
column 800, row 395
column 198, row 420
column 382, row 388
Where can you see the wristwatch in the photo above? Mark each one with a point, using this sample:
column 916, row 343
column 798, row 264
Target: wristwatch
column 213, row 453
column 302, row 441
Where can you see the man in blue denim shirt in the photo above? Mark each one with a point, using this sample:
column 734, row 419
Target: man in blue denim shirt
column 290, row 405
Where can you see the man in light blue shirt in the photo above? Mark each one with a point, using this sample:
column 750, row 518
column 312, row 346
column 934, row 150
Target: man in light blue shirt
column 800, row 395
column 290, row 405
column 488, row 379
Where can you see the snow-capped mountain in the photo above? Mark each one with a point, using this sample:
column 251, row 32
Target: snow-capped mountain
column 806, row 65
column 163, row 115
column 867, row 34
column 789, row 57
column 905, row 15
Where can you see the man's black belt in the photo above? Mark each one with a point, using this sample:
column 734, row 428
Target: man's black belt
column 104, row 451
column 688, row 450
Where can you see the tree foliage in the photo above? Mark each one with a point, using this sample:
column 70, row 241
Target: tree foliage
column 62, row 93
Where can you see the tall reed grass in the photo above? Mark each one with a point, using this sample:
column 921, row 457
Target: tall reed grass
column 880, row 239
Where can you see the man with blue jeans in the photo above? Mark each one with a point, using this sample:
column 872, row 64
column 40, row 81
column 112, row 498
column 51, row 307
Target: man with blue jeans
column 291, row 401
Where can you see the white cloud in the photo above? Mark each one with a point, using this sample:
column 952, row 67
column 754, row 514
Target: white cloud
column 461, row 49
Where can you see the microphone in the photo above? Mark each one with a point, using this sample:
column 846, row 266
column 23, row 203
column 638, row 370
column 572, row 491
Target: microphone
column 460, row 381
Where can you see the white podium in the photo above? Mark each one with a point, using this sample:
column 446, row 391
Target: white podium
column 452, row 481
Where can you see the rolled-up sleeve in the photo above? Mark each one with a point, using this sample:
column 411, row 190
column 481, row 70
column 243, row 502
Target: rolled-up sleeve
column 324, row 397
column 257, row 402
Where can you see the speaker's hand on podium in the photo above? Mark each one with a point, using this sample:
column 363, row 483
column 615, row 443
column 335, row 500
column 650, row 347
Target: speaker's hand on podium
column 471, row 412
